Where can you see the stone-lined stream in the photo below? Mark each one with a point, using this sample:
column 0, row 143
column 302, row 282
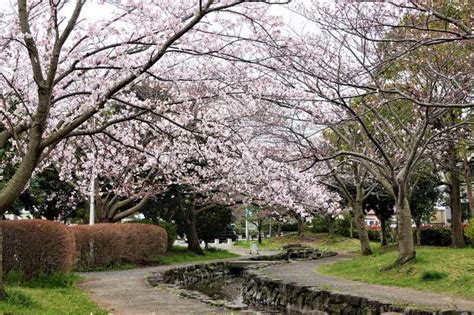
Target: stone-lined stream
column 228, row 288
column 225, row 284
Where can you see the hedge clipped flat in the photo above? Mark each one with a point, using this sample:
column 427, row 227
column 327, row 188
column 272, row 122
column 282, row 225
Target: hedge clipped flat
column 106, row 244
column 37, row 246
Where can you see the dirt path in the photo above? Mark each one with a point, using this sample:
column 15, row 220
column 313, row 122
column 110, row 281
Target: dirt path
column 304, row 272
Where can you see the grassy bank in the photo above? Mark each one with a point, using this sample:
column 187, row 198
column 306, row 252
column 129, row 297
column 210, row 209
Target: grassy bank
column 320, row 240
column 181, row 255
column 56, row 294
column 440, row 270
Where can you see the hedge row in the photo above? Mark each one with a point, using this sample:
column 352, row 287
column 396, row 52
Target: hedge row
column 39, row 246
column 105, row 244
column 435, row 235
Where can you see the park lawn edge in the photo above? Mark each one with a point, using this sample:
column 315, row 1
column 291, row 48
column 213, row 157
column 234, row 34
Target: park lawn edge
column 49, row 297
column 178, row 255
column 320, row 241
column 440, row 270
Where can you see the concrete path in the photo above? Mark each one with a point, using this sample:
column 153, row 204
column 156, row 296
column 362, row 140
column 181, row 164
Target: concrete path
column 127, row 292
column 304, row 272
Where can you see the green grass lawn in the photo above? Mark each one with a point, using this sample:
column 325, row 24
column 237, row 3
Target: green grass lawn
column 56, row 294
column 440, row 270
column 181, row 255
column 320, row 241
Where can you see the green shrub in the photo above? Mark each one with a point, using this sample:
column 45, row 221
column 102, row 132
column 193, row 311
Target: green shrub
column 42, row 280
column 433, row 275
column 436, row 236
column 469, row 231
column 56, row 280
column 289, row 226
column 343, row 226
column 374, row 235
column 171, row 230
column 319, row 224
column 18, row 298
column 14, row 278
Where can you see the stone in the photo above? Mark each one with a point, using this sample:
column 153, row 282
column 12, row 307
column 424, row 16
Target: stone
column 354, row 300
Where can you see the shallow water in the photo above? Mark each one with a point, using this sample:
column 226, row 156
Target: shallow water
column 227, row 288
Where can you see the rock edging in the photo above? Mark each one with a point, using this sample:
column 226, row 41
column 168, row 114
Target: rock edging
column 262, row 292
column 176, row 278
column 192, row 274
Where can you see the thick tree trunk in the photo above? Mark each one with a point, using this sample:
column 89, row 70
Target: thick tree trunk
column 107, row 211
column 300, row 226
column 17, row 183
column 191, row 234
column 455, row 196
column 406, row 245
column 361, row 228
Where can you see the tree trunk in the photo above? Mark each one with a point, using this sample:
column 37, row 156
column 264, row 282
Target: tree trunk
column 330, row 221
column 351, row 227
column 259, row 229
column 468, row 180
column 300, row 225
column 455, row 196
column 3, row 293
column 12, row 190
column 406, row 245
column 361, row 228
column 191, row 234
column 418, row 235
column 383, row 232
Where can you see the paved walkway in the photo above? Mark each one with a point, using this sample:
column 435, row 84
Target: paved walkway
column 304, row 272
column 128, row 292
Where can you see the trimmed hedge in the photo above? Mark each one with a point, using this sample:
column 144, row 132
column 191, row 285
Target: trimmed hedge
column 107, row 244
column 436, row 235
column 431, row 235
column 33, row 247
column 169, row 227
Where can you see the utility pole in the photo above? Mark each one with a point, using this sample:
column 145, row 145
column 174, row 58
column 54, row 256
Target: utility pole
column 92, row 200
column 92, row 191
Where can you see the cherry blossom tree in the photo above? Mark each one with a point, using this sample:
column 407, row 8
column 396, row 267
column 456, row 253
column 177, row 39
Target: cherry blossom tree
column 66, row 73
column 212, row 158
column 64, row 68
column 388, row 71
